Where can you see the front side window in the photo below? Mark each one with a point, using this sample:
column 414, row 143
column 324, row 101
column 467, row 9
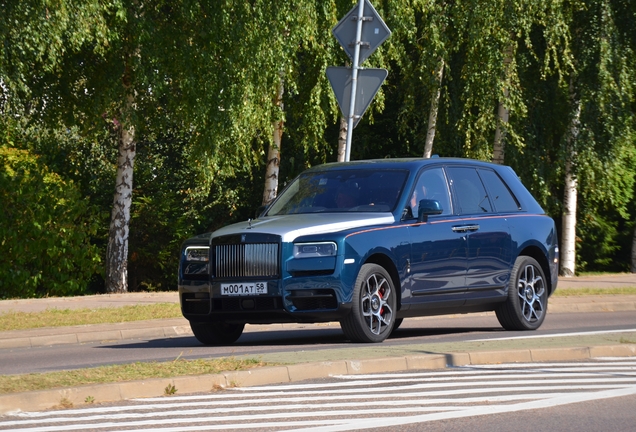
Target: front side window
column 360, row 190
column 431, row 184
column 470, row 194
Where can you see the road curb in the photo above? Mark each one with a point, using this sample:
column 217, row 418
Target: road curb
column 87, row 335
column 68, row 397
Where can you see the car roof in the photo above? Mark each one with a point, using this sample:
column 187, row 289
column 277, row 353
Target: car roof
column 397, row 163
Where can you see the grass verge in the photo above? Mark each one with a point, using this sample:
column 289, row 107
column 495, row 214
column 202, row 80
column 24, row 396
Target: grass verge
column 599, row 273
column 579, row 292
column 72, row 317
column 122, row 373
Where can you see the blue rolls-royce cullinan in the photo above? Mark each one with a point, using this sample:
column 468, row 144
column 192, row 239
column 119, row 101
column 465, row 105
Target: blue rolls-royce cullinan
column 369, row 243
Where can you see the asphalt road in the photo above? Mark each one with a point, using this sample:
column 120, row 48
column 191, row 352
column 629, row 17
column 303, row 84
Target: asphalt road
column 326, row 342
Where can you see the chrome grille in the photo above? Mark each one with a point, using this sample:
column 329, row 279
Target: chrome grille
column 246, row 260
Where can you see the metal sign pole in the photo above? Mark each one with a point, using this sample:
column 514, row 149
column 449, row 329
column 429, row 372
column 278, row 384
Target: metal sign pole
column 364, row 83
column 354, row 80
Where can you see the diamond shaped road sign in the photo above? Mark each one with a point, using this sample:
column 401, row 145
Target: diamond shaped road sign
column 369, row 82
column 374, row 31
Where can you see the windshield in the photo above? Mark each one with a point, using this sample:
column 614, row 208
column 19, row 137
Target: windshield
column 359, row 190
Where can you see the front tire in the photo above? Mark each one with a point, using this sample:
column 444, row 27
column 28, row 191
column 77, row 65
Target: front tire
column 374, row 303
column 527, row 302
column 397, row 324
column 216, row 333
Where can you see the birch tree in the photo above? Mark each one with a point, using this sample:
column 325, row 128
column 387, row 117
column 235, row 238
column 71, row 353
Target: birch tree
column 342, row 139
column 604, row 84
column 583, row 129
column 273, row 154
column 570, row 189
column 503, row 114
column 117, row 250
column 310, row 105
column 419, row 46
column 128, row 67
column 42, row 41
column 433, row 110
column 474, row 43
column 490, row 34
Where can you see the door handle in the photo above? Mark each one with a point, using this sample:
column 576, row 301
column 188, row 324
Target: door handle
column 465, row 228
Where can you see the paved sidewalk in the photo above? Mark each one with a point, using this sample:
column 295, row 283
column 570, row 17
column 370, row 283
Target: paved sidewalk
column 358, row 360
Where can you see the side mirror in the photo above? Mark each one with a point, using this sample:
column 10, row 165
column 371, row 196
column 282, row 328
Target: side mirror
column 428, row 208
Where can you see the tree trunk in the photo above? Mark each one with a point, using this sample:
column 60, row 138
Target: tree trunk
column 503, row 115
column 342, row 139
column 432, row 114
column 273, row 153
column 568, row 235
column 117, row 249
column 568, row 240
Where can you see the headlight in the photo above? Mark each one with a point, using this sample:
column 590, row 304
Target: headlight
column 313, row 250
column 197, row 253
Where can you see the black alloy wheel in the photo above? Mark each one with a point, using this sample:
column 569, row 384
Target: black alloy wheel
column 527, row 302
column 374, row 303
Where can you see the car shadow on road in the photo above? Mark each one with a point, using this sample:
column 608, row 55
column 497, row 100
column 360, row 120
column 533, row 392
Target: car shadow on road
column 314, row 338
column 411, row 332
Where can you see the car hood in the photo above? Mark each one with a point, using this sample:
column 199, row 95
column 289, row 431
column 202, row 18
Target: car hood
column 290, row 227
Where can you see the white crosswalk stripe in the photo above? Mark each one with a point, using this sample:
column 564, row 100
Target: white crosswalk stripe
column 354, row 402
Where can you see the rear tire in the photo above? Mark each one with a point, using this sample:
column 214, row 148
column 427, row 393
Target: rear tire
column 374, row 303
column 527, row 302
column 216, row 333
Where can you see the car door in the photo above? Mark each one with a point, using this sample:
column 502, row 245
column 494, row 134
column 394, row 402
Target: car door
column 489, row 244
column 438, row 253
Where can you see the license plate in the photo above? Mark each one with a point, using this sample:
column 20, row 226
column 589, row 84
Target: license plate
column 244, row 289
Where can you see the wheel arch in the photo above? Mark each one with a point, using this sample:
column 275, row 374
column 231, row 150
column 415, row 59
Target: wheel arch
column 535, row 252
column 387, row 263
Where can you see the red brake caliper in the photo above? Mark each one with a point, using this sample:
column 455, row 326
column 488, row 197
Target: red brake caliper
column 381, row 297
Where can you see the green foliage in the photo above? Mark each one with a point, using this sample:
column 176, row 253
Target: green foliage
column 599, row 230
column 168, row 207
column 45, row 230
column 204, row 77
column 588, row 60
column 604, row 81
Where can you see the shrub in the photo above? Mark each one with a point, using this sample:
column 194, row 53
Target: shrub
column 45, row 230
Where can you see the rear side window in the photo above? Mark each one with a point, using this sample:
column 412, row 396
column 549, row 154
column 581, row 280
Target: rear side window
column 470, row 194
column 500, row 195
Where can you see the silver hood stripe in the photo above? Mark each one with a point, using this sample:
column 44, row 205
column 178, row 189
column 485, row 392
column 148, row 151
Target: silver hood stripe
column 290, row 227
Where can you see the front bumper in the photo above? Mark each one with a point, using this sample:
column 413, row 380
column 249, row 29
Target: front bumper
column 303, row 301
